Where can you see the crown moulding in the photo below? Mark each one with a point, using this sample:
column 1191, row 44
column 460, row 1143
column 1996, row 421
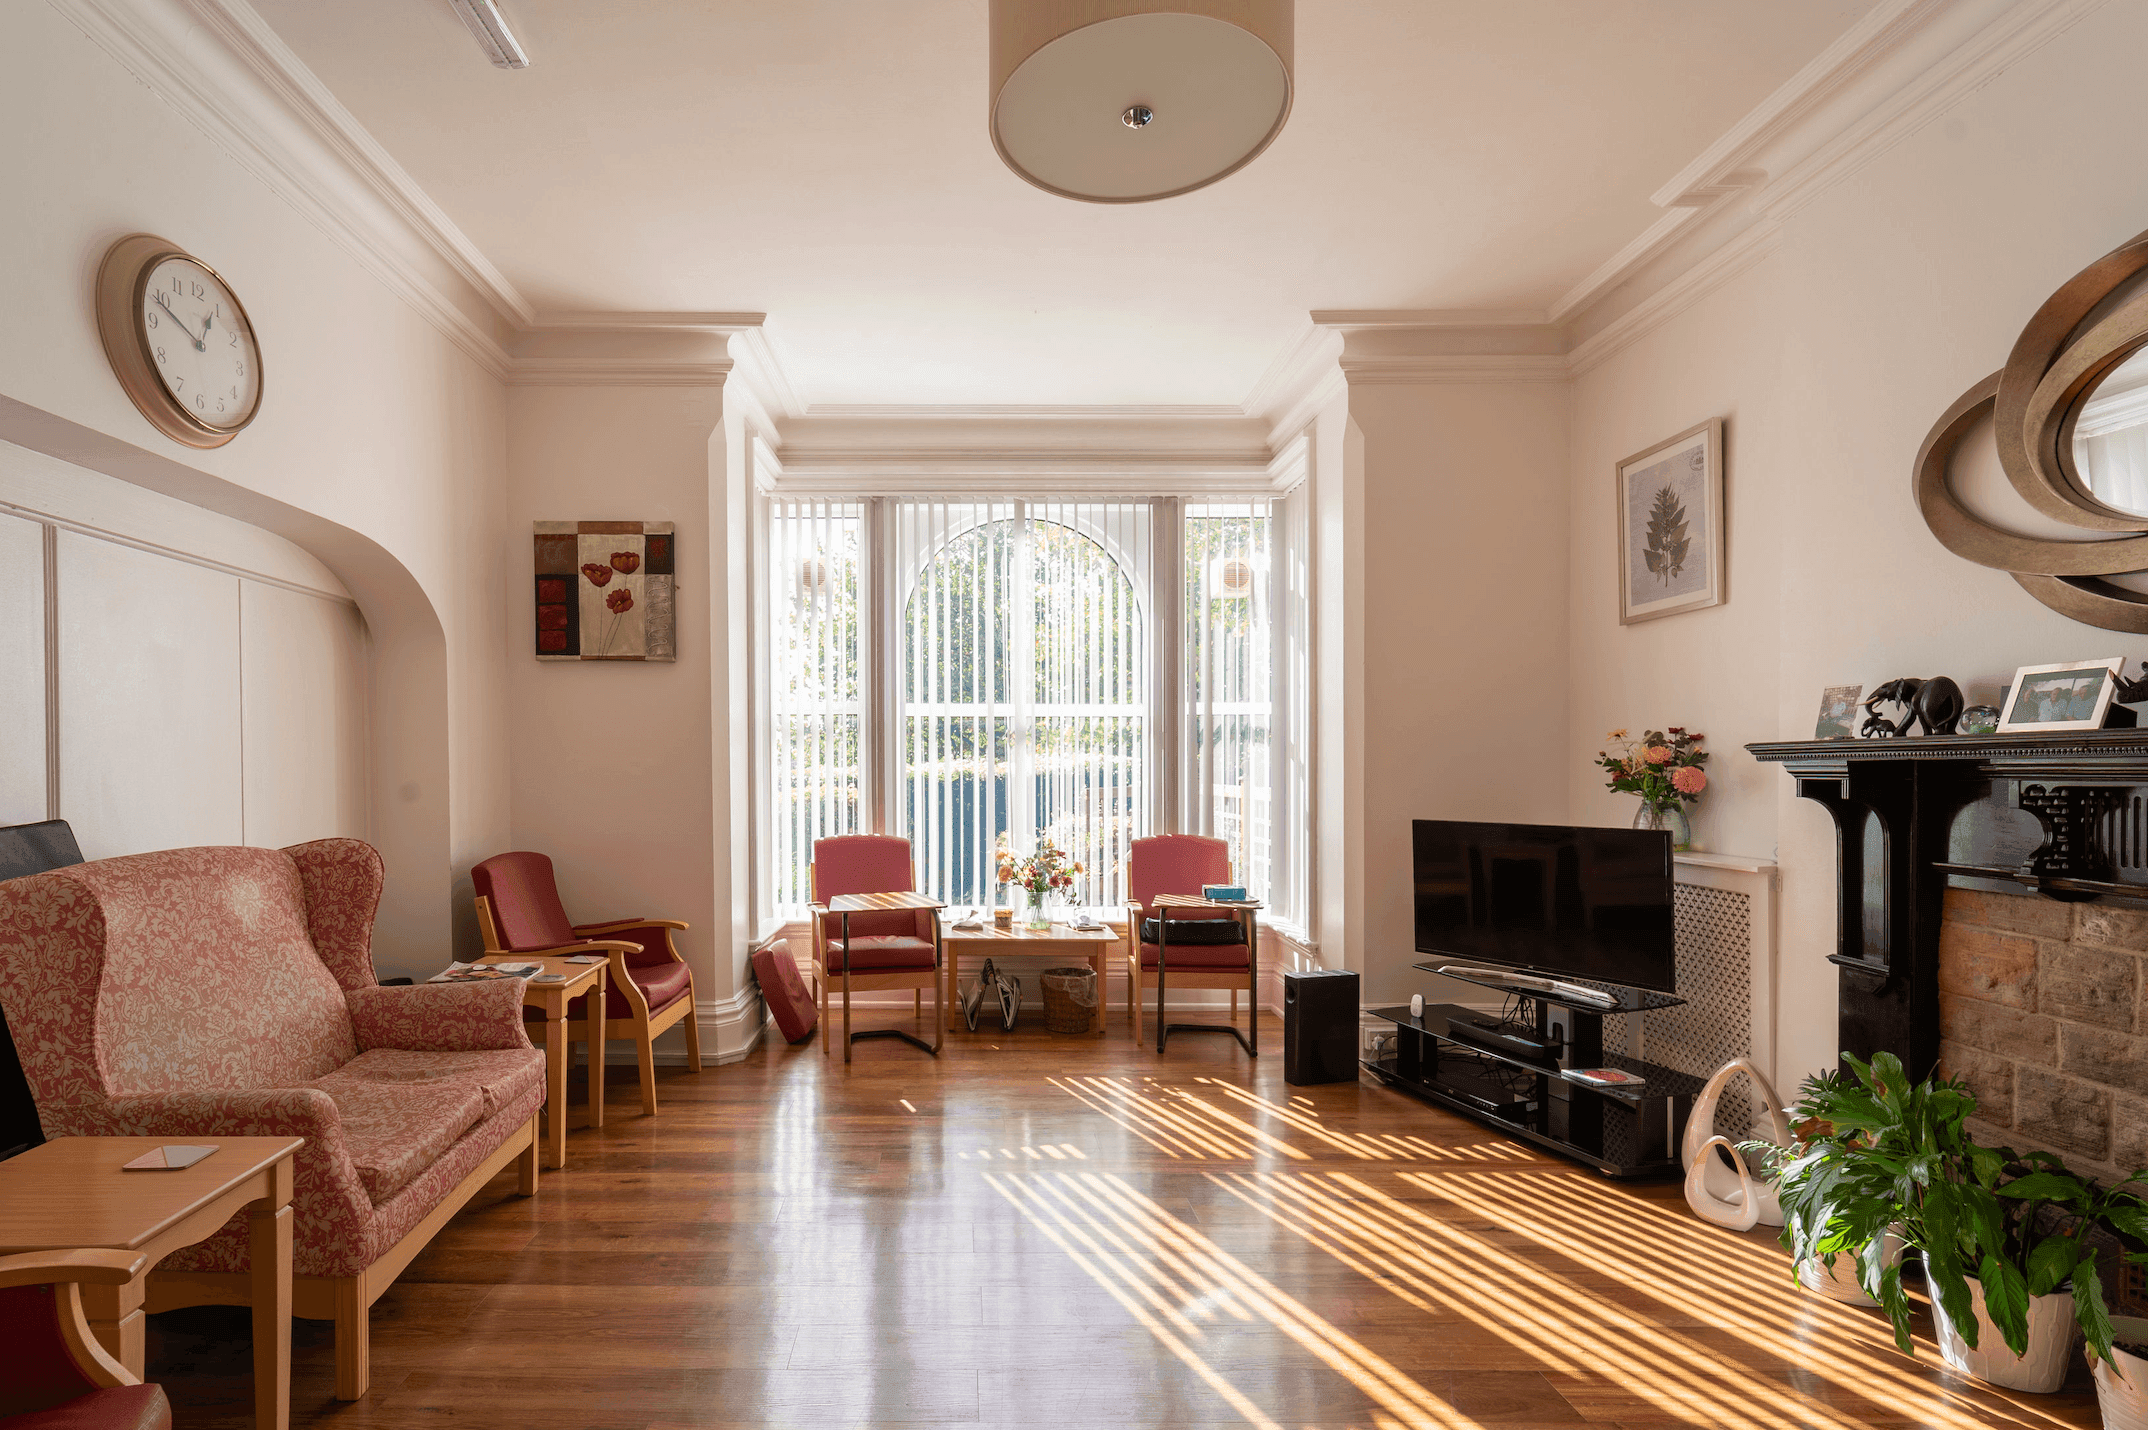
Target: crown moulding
column 221, row 66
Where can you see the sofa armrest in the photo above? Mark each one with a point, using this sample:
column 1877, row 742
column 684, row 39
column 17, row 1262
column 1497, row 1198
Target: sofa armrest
column 228, row 1112
column 439, row 1017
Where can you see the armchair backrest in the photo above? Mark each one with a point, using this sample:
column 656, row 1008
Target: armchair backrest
column 1176, row 864
column 868, row 864
column 183, row 970
column 524, row 899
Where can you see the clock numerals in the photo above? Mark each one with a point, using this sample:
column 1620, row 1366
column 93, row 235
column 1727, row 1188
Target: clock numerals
column 152, row 318
column 160, row 354
column 179, row 384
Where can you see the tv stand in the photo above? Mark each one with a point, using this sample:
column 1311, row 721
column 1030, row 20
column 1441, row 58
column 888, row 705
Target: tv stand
column 1522, row 1084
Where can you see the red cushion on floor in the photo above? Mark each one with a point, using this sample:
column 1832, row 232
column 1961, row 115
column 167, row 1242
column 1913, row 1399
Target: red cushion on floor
column 124, row 1407
column 1195, row 955
column 660, row 983
column 785, row 992
column 896, row 953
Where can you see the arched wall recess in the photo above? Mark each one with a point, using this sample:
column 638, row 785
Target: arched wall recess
column 2065, row 410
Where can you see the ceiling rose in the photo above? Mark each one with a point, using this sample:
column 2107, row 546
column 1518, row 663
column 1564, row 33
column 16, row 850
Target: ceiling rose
column 1122, row 101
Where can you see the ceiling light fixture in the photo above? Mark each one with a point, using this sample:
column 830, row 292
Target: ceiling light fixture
column 489, row 27
column 1123, row 101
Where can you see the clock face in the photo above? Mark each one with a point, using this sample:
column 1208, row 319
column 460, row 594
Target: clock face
column 199, row 344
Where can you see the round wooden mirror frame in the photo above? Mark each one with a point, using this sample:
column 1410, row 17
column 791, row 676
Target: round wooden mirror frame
column 2034, row 403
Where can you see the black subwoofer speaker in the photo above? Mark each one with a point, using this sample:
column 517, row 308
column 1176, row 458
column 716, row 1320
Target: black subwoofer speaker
column 1319, row 1027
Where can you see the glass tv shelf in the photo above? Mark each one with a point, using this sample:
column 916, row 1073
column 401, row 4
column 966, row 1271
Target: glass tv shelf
column 1629, row 1000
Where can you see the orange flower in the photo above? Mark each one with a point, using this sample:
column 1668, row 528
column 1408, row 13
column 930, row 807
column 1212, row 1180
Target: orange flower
column 626, row 563
column 598, row 573
column 620, row 602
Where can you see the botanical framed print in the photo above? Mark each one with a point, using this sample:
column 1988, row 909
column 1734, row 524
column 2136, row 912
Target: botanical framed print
column 2074, row 696
column 1838, row 713
column 1670, row 526
column 605, row 590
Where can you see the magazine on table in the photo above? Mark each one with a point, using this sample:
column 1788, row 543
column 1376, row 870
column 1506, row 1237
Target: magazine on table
column 484, row 972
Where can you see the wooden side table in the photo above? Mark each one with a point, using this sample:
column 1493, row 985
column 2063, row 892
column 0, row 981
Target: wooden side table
column 552, row 999
column 1091, row 946
column 72, row 1193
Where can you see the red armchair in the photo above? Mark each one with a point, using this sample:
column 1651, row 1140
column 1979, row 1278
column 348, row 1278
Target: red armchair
column 53, row 1373
column 888, row 948
column 1181, row 864
column 649, row 988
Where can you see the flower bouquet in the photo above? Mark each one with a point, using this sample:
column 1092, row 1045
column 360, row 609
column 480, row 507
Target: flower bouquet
column 1663, row 767
column 1038, row 875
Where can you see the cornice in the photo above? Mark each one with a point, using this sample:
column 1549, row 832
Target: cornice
column 1711, row 272
column 616, row 372
column 1386, row 368
column 266, row 133
column 264, row 53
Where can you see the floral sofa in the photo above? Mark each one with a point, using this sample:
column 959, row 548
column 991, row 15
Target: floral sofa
column 197, row 993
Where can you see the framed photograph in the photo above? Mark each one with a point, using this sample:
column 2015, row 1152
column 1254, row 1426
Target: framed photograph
column 1838, row 713
column 2074, row 696
column 1670, row 526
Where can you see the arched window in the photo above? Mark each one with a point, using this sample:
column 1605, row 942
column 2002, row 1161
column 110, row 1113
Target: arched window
column 1024, row 696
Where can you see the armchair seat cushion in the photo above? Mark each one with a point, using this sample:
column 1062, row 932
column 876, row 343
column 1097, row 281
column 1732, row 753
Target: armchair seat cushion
column 121, row 1407
column 889, row 953
column 660, row 984
column 1190, row 956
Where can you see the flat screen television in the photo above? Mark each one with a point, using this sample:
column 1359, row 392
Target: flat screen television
column 1546, row 899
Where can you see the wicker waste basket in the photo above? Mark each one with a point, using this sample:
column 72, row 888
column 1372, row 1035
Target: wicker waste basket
column 1069, row 999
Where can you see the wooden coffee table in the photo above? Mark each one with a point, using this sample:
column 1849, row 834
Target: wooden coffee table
column 1091, row 946
column 552, row 999
column 70, row 1193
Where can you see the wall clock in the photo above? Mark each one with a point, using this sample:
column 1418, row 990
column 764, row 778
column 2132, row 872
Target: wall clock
column 179, row 341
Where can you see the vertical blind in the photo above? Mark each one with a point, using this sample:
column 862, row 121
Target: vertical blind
column 815, row 727
column 1024, row 683
column 964, row 669
column 1229, row 766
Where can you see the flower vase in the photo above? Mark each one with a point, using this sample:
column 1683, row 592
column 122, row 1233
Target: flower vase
column 1668, row 817
column 1036, row 920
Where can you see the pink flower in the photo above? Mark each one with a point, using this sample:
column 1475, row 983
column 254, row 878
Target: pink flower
column 1688, row 780
column 1658, row 754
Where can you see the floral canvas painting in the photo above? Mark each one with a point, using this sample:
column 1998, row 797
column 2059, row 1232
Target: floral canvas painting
column 1670, row 510
column 605, row 590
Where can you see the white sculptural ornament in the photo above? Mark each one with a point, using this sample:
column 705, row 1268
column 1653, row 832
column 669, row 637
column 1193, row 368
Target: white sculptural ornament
column 1722, row 1189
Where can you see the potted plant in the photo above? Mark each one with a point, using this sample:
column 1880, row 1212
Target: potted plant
column 1047, row 871
column 1663, row 767
column 1892, row 1155
column 1833, row 1274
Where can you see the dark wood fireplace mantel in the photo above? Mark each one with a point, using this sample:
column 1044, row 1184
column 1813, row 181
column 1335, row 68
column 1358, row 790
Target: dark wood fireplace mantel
column 2065, row 816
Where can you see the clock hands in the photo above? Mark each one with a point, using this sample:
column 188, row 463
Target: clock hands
column 201, row 344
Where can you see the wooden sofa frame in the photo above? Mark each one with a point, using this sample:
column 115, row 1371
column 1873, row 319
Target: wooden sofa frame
column 348, row 1300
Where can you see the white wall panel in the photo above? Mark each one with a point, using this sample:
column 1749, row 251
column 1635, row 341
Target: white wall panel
column 22, row 671
column 304, row 662
column 149, row 700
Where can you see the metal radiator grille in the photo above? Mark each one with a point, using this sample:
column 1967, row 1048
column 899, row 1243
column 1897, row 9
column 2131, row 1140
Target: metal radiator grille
column 1715, row 977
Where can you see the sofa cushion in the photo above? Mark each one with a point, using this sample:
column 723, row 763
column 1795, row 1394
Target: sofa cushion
column 402, row 1110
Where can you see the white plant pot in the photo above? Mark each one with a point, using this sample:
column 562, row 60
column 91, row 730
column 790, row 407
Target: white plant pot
column 2052, row 1331
column 1839, row 1281
column 2123, row 1396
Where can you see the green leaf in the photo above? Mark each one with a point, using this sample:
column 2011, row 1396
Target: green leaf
column 2090, row 1311
column 2006, row 1301
column 2129, row 1218
column 1895, row 1303
column 2045, row 1186
column 2051, row 1261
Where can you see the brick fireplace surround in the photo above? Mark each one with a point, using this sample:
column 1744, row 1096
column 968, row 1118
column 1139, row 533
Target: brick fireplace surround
column 2043, row 1013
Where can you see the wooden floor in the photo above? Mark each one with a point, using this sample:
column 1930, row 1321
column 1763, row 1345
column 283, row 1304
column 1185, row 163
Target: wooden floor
column 1062, row 1232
